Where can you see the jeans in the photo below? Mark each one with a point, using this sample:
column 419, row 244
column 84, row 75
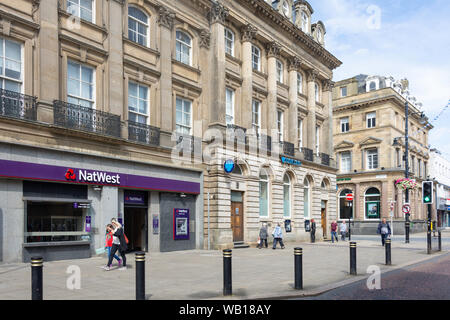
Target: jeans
column 109, row 253
column 275, row 240
column 313, row 235
column 114, row 249
column 383, row 238
column 261, row 243
column 343, row 235
column 334, row 235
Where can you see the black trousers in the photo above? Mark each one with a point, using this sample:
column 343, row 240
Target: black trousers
column 313, row 236
column 261, row 243
column 114, row 249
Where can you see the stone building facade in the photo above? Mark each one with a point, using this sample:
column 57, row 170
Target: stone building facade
column 369, row 145
column 115, row 109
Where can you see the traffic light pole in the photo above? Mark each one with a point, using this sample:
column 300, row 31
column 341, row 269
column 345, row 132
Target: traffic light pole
column 429, row 229
column 406, row 169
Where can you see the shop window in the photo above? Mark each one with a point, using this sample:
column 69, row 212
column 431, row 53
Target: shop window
column 345, row 207
column 307, row 198
column 372, row 203
column 286, row 196
column 263, row 194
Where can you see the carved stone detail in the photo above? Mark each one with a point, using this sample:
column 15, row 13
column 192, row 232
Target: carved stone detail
column 273, row 49
column 205, row 38
column 248, row 33
column 218, row 13
column 166, row 17
column 327, row 85
column 312, row 75
column 294, row 63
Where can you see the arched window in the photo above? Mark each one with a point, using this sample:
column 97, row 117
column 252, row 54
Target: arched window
column 229, row 42
column 183, row 48
column 138, row 26
column 305, row 22
column 307, row 198
column 286, row 196
column 263, row 194
column 256, row 58
column 373, row 86
column 372, row 203
column 345, row 207
column 237, row 170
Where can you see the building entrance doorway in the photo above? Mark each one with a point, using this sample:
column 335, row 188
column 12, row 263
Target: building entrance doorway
column 324, row 219
column 136, row 220
column 237, row 216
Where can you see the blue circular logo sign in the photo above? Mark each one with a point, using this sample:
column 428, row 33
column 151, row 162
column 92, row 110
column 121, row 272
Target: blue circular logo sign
column 228, row 166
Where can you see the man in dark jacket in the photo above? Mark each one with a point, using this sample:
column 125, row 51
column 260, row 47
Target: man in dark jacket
column 384, row 229
column 263, row 236
column 313, row 231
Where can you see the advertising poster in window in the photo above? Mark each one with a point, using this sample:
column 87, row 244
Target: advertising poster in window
column 372, row 210
column 181, row 224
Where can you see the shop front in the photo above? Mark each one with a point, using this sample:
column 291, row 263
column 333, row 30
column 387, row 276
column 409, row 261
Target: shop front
column 61, row 212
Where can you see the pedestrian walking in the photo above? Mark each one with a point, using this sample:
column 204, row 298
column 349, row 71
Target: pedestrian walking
column 277, row 236
column 313, row 231
column 384, row 229
column 109, row 243
column 119, row 243
column 334, row 227
column 263, row 236
column 343, row 230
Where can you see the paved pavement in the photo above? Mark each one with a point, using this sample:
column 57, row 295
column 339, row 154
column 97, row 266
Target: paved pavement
column 197, row 274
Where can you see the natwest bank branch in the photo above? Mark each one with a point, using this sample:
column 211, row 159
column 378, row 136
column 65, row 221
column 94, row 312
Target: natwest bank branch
column 57, row 204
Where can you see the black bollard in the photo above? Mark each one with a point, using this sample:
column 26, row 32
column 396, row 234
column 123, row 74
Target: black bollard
column 298, row 257
column 140, row 275
column 407, row 232
column 387, row 245
column 353, row 258
column 37, row 264
column 227, row 289
column 439, row 241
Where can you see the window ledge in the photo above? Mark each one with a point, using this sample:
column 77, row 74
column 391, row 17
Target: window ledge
column 138, row 45
column 56, row 244
column 174, row 61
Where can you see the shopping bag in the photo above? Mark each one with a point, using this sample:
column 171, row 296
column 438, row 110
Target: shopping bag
column 259, row 240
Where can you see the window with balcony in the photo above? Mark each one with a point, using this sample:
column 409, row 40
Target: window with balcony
column 83, row 9
column 184, row 116
column 11, row 65
column 371, row 120
column 345, row 125
column 229, row 101
column 138, row 103
column 280, row 125
column 229, row 42
column 256, row 58
column 300, row 133
column 317, row 140
column 138, row 26
column 183, row 48
column 256, row 116
column 80, row 84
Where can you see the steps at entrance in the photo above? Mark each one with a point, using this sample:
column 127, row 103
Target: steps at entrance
column 240, row 245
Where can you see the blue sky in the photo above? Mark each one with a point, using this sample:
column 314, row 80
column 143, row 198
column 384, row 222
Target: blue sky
column 400, row 38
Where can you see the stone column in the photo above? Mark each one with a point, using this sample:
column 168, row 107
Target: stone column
column 357, row 213
column 384, row 207
column 248, row 34
column 166, row 24
column 311, row 103
column 273, row 52
column 217, row 17
column 294, row 64
column 327, row 141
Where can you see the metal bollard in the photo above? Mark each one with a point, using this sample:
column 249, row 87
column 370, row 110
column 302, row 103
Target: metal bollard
column 227, row 288
column 353, row 258
column 439, row 241
column 407, row 232
column 298, row 257
column 387, row 245
column 37, row 264
column 140, row 275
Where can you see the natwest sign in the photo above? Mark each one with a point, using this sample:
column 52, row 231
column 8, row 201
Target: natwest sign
column 91, row 176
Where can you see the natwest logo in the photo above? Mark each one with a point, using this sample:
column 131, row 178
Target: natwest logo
column 70, row 175
column 98, row 177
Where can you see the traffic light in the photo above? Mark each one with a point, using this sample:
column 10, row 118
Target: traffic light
column 427, row 192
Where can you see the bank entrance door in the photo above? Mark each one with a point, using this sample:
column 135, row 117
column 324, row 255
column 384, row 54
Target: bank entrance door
column 237, row 216
column 136, row 220
column 324, row 219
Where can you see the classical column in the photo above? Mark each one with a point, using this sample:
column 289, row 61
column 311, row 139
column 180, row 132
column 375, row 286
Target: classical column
column 328, row 123
column 294, row 64
column 166, row 24
column 357, row 213
column 384, row 207
column 311, row 103
column 248, row 34
column 273, row 52
column 217, row 17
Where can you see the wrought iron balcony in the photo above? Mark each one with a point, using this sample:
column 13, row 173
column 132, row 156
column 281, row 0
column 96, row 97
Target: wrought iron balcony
column 143, row 133
column 325, row 159
column 76, row 117
column 308, row 154
column 288, row 148
column 17, row 105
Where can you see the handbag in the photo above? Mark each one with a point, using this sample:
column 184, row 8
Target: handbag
column 259, row 240
column 126, row 239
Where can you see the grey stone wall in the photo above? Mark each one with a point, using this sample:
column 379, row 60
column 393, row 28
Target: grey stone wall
column 168, row 202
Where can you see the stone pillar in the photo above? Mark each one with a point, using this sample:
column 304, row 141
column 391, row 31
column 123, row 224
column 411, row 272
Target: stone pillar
column 248, row 33
column 327, row 141
column 384, row 206
column 217, row 17
column 294, row 64
column 273, row 52
column 311, row 103
column 357, row 213
column 166, row 24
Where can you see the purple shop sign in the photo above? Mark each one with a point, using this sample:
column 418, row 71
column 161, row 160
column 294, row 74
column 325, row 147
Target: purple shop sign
column 180, row 224
column 35, row 171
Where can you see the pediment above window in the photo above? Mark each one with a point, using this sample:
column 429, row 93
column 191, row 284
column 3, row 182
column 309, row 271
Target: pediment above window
column 370, row 141
column 344, row 145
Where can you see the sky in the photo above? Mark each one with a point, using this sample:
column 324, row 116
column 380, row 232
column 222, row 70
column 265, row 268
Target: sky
column 400, row 38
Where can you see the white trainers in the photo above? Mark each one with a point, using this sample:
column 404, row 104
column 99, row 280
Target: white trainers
column 123, row 268
column 107, row 268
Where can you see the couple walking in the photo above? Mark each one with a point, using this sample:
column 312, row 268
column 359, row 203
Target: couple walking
column 342, row 229
column 277, row 234
column 115, row 240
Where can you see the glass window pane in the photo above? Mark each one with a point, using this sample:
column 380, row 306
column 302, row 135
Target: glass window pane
column 73, row 87
column 87, row 74
column 12, row 50
column 143, row 106
column 86, row 14
column 263, row 196
column 132, row 103
column 86, row 91
column 13, row 69
column 12, row 86
column 132, row 89
column 73, row 70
